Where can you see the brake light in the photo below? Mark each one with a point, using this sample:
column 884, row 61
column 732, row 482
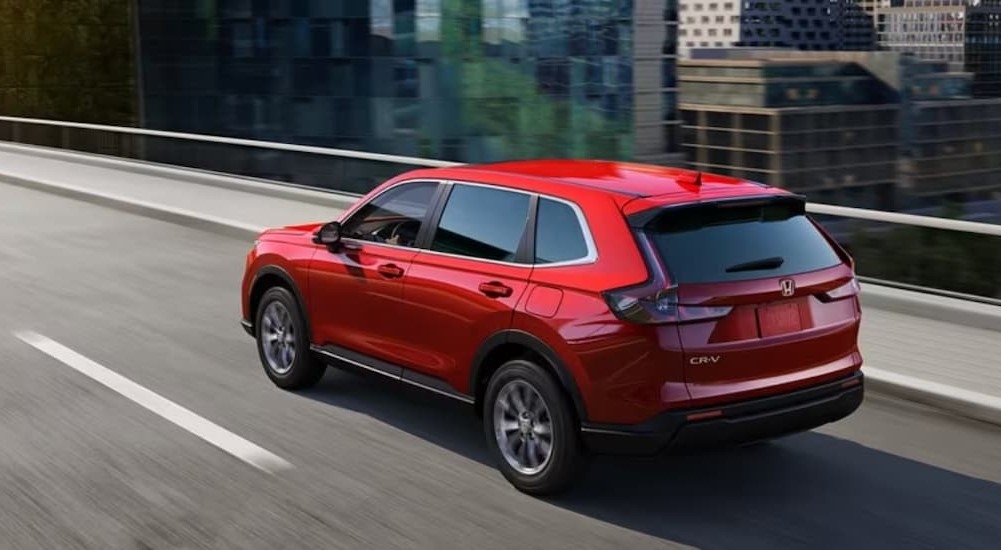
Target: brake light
column 656, row 301
column 847, row 290
column 647, row 305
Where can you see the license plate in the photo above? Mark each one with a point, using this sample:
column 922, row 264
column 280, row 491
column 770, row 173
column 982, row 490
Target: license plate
column 775, row 319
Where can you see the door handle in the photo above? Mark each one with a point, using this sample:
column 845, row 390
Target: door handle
column 391, row 271
column 495, row 289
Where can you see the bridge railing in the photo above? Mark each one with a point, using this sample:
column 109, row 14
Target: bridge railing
column 938, row 255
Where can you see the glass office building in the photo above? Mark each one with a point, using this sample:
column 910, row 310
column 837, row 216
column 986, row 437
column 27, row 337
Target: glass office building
column 966, row 32
column 463, row 80
column 880, row 130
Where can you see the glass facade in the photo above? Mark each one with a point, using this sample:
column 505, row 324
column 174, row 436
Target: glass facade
column 871, row 130
column 967, row 32
column 800, row 24
column 464, row 80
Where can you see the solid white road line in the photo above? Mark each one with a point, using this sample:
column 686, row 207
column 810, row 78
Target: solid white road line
column 210, row 432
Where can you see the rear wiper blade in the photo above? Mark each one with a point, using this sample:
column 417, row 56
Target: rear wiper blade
column 764, row 263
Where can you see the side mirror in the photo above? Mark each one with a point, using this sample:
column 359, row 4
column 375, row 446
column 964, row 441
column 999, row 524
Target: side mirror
column 328, row 235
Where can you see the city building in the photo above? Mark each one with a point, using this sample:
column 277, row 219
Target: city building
column 964, row 32
column 834, row 25
column 952, row 151
column 462, row 80
column 870, row 6
column 878, row 129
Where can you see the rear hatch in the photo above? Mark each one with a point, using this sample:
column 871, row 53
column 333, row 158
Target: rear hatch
column 766, row 300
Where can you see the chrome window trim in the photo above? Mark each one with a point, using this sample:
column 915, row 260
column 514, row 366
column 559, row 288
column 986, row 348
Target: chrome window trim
column 592, row 249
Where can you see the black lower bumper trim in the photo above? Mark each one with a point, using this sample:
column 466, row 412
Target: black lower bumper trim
column 740, row 423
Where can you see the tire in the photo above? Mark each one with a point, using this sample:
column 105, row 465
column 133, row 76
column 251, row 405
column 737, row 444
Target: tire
column 566, row 460
column 279, row 308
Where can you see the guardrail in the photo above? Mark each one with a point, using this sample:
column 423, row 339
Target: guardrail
column 16, row 131
column 347, row 153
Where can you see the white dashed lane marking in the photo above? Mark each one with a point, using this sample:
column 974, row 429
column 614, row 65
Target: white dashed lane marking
column 197, row 425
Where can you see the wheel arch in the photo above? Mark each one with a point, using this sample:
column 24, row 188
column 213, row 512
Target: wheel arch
column 510, row 344
column 271, row 276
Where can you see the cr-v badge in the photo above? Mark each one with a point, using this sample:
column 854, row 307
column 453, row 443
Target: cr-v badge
column 704, row 360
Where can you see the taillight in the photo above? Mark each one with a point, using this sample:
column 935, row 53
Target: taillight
column 847, row 290
column 656, row 301
column 647, row 305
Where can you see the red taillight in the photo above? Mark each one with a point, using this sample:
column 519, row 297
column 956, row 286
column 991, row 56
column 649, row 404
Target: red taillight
column 646, row 305
column 847, row 290
column 656, row 301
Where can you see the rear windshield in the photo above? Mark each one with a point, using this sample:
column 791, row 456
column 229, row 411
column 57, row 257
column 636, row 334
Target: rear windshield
column 710, row 244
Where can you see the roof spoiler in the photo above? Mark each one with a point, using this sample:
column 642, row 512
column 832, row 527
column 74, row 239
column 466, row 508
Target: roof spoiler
column 641, row 219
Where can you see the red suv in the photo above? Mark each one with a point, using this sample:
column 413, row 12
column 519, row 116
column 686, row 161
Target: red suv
column 580, row 307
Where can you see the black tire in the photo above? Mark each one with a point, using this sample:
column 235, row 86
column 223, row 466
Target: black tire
column 567, row 461
column 306, row 370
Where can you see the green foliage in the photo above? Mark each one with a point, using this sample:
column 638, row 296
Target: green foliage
column 947, row 260
column 67, row 60
column 499, row 99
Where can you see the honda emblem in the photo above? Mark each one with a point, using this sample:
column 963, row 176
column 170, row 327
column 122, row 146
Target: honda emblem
column 788, row 287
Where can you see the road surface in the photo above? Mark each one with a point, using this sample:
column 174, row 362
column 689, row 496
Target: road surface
column 85, row 465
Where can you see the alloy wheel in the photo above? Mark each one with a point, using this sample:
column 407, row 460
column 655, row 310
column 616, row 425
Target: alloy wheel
column 523, row 427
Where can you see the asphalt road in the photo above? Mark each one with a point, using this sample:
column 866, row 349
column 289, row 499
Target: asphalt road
column 374, row 466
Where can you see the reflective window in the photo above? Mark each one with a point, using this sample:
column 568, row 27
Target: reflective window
column 394, row 217
column 482, row 222
column 745, row 243
column 558, row 234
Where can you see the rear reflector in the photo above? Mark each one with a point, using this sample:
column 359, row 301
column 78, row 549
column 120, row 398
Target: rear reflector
column 704, row 415
column 850, row 383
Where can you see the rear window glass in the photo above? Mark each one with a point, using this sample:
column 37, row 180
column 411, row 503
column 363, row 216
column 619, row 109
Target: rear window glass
column 720, row 244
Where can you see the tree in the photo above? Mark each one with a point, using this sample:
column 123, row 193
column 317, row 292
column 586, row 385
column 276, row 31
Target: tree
column 933, row 258
column 67, row 60
column 500, row 99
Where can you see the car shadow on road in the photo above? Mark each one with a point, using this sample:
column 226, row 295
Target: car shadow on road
column 809, row 490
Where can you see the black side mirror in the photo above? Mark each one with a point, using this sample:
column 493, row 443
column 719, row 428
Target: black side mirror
column 328, row 235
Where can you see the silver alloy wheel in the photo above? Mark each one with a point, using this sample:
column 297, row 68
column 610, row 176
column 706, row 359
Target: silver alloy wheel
column 278, row 338
column 523, row 427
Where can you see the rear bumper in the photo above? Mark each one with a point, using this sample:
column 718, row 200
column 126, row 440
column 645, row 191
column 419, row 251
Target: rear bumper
column 737, row 424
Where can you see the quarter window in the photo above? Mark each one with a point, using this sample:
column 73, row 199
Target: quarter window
column 394, row 217
column 482, row 222
column 558, row 234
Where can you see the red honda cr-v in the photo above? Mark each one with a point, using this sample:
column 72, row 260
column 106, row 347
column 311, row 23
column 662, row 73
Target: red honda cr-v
column 580, row 306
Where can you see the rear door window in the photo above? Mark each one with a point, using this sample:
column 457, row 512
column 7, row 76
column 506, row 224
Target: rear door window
column 482, row 222
column 721, row 244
